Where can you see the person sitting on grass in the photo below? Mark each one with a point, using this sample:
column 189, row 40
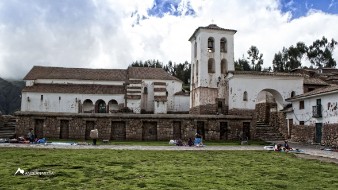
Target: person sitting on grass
column 190, row 142
column 278, row 147
column 286, row 145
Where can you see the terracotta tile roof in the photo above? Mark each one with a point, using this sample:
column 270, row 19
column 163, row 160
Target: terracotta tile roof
column 160, row 98
column 211, row 26
column 149, row 73
column 160, row 83
column 316, row 92
column 133, row 97
column 267, row 73
column 39, row 72
column 75, row 89
column 160, row 90
column 314, row 81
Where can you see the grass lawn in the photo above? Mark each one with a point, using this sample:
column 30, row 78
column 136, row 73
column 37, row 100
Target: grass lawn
column 126, row 169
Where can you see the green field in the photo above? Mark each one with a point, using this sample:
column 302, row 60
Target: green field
column 126, row 169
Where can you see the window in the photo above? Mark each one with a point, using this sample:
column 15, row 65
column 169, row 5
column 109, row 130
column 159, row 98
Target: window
column 301, row 105
column 41, row 97
column 211, row 47
column 224, row 66
column 166, row 93
column 223, row 45
column 301, row 122
column 211, row 65
column 59, row 98
column 245, row 96
column 195, row 50
column 293, row 93
column 197, row 68
column 145, row 90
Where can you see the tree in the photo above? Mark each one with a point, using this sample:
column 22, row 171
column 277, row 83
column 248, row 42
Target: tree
column 148, row 63
column 180, row 70
column 290, row 58
column 320, row 53
column 242, row 65
column 295, row 55
column 255, row 58
column 278, row 62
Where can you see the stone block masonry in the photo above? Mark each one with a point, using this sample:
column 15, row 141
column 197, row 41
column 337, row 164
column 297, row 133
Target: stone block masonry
column 132, row 126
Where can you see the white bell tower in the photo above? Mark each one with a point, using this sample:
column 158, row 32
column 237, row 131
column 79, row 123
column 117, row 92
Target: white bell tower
column 212, row 57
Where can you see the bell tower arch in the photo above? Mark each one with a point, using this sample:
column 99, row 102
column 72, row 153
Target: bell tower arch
column 212, row 58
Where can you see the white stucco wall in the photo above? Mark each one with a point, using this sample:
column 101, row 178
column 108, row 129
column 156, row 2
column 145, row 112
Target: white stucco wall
column 172, row 86
column 67, row 103
column 329, row 104
column 181, row 103
column 203, row 78
column 160, row 107
column 280, row 87
column 134, row 105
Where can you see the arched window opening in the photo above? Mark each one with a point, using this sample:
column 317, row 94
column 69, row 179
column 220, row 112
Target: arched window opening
column 223, row 45
column 145, row 90
column 245, row 96
column 113, row 106
column 211, row 44
column 88, row 106
column 211, row 65
column 101, row 107
column 166, row 93
column 197, row 68
column 195, row 50
column 293, row 93
column 224, row 66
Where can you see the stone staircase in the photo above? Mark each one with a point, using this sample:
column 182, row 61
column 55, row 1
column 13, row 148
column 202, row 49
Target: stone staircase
column 267, row 133
column 7, row 129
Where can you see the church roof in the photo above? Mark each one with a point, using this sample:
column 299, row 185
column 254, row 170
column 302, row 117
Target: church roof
column 40, row 72
column 262, row 73
column 317, row 92
column 314, row 81
column 212, row 27
column 75, row 88
column 150, row 73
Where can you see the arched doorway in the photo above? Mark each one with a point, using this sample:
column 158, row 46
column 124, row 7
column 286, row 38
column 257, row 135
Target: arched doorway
column 100, row 106
column 87, row 106
column 269, row 103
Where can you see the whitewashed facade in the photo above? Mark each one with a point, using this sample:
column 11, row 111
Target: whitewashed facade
column 78, row 90
column 318, row 106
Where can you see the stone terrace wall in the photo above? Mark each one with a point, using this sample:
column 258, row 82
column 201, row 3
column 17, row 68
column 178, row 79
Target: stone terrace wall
column 303, row 133
column 330, row 135
column 132, row 125
column 209, row 109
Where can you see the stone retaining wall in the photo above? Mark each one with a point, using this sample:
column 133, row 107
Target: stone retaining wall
column 132, row 126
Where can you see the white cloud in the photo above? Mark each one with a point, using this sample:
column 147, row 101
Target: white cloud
column 100, row 34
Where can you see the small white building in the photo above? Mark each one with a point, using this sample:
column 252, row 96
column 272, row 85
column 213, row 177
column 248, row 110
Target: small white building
column 318, row 108
column 80, row 90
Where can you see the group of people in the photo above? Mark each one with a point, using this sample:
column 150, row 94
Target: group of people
column 196, row 142
column 286, row 147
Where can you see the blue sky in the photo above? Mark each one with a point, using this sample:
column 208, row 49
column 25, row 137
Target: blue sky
column 114, row 33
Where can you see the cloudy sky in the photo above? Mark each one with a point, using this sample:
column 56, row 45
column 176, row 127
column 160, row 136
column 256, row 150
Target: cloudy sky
column 114, row 33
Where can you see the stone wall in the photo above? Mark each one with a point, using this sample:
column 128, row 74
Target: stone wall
column 303, row 133
column 330, row 135
column 209, row 109
column 132, row 126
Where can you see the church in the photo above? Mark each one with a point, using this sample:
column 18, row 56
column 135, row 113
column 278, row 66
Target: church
column 149, row 104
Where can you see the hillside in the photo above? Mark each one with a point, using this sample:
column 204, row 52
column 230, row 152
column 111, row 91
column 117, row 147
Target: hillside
column 10, row 96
